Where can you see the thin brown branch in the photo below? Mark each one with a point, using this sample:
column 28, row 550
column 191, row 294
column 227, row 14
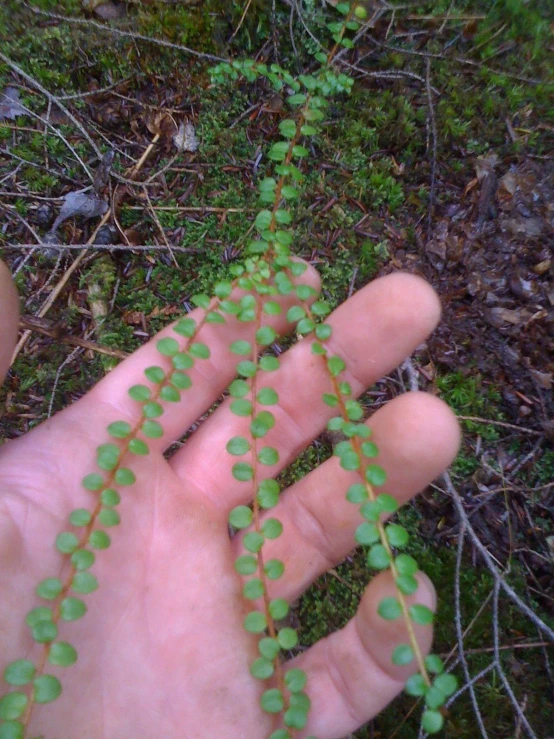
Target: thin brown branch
column 49, row 328
column 125, row 34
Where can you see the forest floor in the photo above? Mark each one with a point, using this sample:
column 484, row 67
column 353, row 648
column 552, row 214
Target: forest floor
column 440, row 163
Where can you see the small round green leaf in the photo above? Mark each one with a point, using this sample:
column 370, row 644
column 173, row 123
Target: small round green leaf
column 49, row 588
column 269, row 363
column 182, row 361
column 240, row 517
column 389, row 609
column 107, row 456
column 375, row 475
column 46, row 688
column 405, row 564
column 350, row 461
column 295, row 313
column 287, row 638
column 446, row 683
column 279, row 734
column 378, row 557
column 267, row 396
column 170, row 394
column 80, row 517
column 246, row 368
column 415, row 685
column 278, row 608
column 335, row 365
column 434, row 663
column 238, row 445
column 262, row 668
column 11, row 730
column 266, row 336
column 63, row 654
column 272, row 528
column 12, row 705
column 253, row 541
column 239, row 388
column 367, row 534
column 421, row 614
column 370, row 510
column 432, row 721
column 82, row 559
column 181, row 381
column 168, row 346
column 268, row 647
column 323, row 331
column 199, row 351
column 369, row 449
column 434, row 698
column 246, row 564
column 402, row 655
column 185, row 327
column 253, row 589
column 155, row 374
column 295, row 680
column 387, row 503
column 407, row 584
column 255, row 622
column 110, row 497
column 44, row 631
column 243, row 471
column 124, row 476
column 268, row 455
column 397, row 536
column 108, row 517
column 263, row 219
column 140, row 393
column 274, row 569
column 152, row 410
column 119, row 429
column 19, row 672
column 36, row 615
column 152, row 429
column 241, row 347
column 356, row 493
column 93, row 482
column 268, row 493
column 305, row 326
column 272, row 701
column 296, row 718
column 84, row 583
column 139, row 447
column 66, row 542
column 99, row 539
column 241, row 407
column 72, row 609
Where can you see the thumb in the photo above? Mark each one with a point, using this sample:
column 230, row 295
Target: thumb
column 9, row 318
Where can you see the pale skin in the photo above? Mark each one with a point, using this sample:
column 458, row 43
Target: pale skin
column 162, row 650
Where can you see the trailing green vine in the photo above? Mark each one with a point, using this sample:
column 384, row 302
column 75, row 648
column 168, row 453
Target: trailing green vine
column 269, row 271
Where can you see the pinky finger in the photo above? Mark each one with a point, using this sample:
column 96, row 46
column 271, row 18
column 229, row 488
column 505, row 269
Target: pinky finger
column 351, row 676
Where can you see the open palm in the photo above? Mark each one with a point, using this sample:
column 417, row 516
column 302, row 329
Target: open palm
column 162, row 649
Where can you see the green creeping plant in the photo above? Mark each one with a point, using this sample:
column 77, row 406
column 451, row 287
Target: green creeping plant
column 269, row 271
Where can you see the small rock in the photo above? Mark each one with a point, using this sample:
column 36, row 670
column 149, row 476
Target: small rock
column 44, row 215
column 526, row 226
column 542, row 267
column 106, row 235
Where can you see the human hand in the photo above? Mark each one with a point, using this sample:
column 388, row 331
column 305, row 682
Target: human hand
column 162, row 649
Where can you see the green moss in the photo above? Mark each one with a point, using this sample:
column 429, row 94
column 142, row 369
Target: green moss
column 467, row 395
